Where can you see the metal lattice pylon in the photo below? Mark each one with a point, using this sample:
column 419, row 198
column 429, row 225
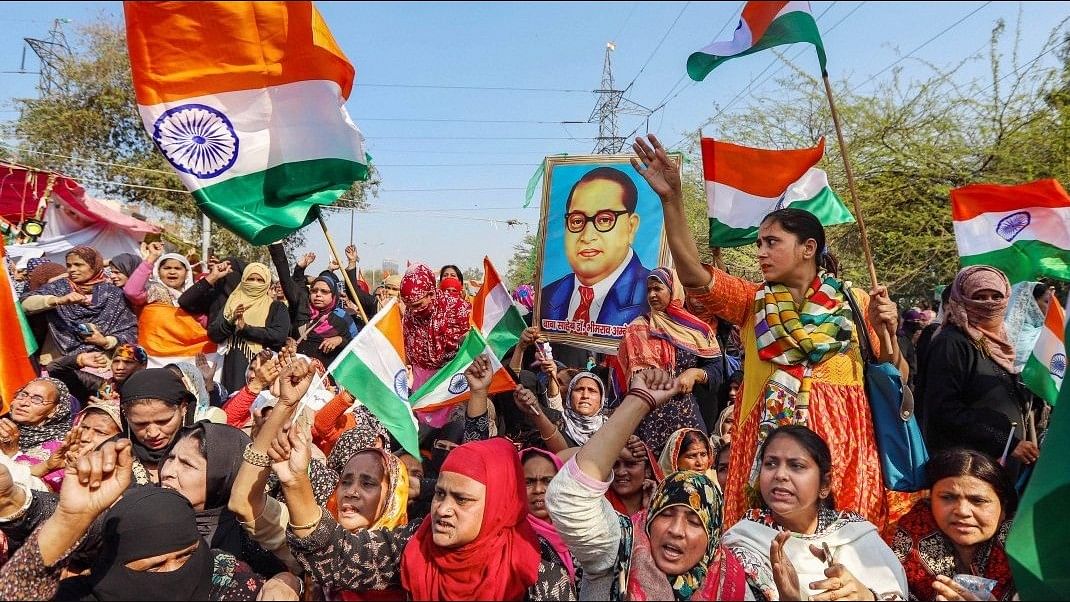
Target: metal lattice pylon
column 612, row 103
column 52, row 53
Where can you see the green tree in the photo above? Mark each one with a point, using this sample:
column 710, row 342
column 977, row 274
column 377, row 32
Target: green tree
column 521, row 268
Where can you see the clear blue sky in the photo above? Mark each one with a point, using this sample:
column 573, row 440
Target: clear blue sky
column 455, row 161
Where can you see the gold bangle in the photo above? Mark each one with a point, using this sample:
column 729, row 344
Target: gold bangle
column 310, row 525
column 547, row 439
column 254, row 457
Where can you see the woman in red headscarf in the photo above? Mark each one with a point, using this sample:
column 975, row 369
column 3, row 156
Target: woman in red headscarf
column 476, row 543
column 435, row 323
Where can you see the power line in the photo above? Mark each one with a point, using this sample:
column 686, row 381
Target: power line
column 923, row 45
column 450, row 189
column 483, row 88
column 658, row 47
column 455, row 120
column 481, row 138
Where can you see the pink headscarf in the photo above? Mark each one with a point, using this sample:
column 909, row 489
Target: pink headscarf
column 546, row 529
column 982, row 321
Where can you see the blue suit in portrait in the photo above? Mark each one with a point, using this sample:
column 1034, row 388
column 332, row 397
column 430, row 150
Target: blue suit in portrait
column 624, row 302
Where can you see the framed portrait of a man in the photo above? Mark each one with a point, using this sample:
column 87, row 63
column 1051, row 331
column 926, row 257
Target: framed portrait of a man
column 602, row 232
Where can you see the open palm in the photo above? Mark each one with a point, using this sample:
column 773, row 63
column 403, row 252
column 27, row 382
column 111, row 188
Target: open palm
column 656, row 167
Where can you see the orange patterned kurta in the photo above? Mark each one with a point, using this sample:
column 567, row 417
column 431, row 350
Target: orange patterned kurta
column 838, row 410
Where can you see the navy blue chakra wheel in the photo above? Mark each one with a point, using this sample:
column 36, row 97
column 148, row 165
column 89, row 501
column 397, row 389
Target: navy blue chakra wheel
column 196, row 139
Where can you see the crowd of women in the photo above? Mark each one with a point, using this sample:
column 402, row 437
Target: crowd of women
column 168, row 449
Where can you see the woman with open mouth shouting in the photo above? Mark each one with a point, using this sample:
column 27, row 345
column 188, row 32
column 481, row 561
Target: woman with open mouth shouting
column 671, row 550
column 795, row 545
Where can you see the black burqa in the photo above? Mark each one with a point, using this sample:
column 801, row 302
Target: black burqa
column 146, row 522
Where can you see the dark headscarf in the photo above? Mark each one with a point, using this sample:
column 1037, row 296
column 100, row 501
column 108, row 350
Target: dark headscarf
column 125, row 263
column 54, row 428
column 223, row 446
column 154, row 383
column 146, row 522
column 38, row 275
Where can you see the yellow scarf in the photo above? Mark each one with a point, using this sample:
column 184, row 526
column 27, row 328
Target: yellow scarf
column 254, row 296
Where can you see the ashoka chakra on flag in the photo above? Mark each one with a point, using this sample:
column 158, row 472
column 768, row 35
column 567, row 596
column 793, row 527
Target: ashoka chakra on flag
column 196, row 139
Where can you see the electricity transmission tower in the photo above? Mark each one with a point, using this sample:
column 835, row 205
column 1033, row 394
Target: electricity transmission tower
column 52, row 52
column 611, row 103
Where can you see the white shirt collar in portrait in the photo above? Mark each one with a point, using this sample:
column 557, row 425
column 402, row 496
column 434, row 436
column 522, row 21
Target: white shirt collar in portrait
column 601, row 289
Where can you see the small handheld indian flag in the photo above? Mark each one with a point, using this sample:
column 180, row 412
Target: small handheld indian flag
column 744, row 184
column 372, row 369
column 1023, row 230
column 246, row 101
column 496, row 328
column 1044, row 370
column 762, row 25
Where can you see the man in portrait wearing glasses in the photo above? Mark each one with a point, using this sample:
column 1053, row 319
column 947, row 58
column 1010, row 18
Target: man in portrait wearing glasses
column 608, row 282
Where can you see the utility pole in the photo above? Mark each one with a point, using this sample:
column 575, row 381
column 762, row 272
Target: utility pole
column 611, row 103
column 52, row 53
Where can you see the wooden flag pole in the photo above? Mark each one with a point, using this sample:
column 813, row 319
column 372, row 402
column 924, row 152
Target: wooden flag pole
column 338, row 260
column 850, row 182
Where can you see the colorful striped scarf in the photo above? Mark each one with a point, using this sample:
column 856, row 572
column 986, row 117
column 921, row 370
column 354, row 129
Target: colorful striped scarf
column 797, row 339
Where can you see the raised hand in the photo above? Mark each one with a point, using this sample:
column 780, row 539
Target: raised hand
column 206, row 368
column 526, row 401
column 479, row 374
column 265, row 372
column 527, row 338
column 637, row 448
column 218, row 272
column 294, row 381
column 153, row 251
column 883, row 312
column 658, row 383
column 839, row 583
column 290, row 453
column 351, row 255
column 656, row 167
column 93, row 483
column 306, row 260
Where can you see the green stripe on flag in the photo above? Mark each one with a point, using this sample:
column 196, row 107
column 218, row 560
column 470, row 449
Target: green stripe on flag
column 796, row 26
column 27, row 333
column 1026, row 260
column 506, row 333
column 472, row 346
column 1039, row 379
column 356, row 377
column 826, row 206
column 269, row 205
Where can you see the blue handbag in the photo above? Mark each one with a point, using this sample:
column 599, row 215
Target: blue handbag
column 899, row 442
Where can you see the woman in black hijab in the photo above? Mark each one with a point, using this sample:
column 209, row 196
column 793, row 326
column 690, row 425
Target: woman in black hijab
column 150, row 546
column 202, row 464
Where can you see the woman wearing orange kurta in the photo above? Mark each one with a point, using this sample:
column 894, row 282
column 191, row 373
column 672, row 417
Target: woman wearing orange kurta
column 800, row 338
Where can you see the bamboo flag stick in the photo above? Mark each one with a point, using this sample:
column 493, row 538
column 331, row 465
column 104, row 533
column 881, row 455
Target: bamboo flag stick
column 850, row 182
column 338, row 260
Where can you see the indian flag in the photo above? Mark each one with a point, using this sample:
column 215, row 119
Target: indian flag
column 494, row 314
column 1023, row 230
column 246, row 101
column 15, row 367
column 1043, row 371
column 448, row 386
column 496, row 328
column 762, row 25
column 744, row 184
column 372, row 368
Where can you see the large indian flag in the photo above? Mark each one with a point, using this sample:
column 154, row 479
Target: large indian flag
column 372, row 368
column 745, row 184
column 1023, row 230
column 762, row 25
column 246, row 101
column 1044, row 370
column 15, row 367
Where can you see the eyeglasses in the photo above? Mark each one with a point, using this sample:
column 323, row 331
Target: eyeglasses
column 35, row 399
column 603, row 221
column 391, row 288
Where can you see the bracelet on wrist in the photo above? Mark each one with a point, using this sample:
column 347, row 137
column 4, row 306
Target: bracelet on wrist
column 255, row 457
column 547, row 438
column 311, row 525
column 646, row 398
